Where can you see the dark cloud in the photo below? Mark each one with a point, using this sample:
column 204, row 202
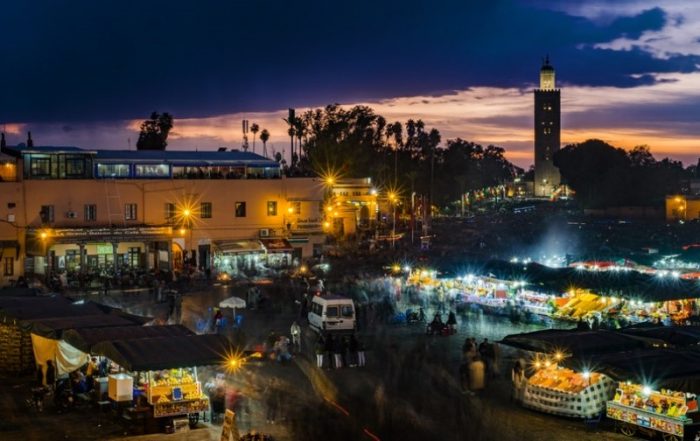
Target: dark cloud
column 109, row 60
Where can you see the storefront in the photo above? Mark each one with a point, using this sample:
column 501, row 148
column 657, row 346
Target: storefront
column 75, row 250
column 279, row 252
column 236, row 258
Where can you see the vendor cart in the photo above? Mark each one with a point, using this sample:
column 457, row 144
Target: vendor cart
column 639, row 410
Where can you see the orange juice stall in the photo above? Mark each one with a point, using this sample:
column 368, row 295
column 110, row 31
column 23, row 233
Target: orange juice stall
column 159, row 375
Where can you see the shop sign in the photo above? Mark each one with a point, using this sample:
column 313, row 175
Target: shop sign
column 102, row 232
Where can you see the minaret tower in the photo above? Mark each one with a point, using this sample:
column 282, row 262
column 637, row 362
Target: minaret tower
column 547, row 132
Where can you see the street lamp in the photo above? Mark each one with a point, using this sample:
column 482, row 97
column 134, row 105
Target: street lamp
column 392, row 199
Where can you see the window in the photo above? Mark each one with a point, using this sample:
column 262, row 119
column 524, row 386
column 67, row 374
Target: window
column 205, row 210
column 272, row 208
column 133, row 257
column 75, row 166
column 296, row 207
column 169, row 211
column 240, row 209
column 9, row 266
column 152, row 170
column 40, row 166
column 47, row 214
column 112, row 170
column 346, row 311
column 130, row 212
column 90, row 212
column 331, row 311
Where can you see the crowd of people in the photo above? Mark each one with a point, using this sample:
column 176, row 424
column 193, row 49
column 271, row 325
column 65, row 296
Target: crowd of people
column 334, row 352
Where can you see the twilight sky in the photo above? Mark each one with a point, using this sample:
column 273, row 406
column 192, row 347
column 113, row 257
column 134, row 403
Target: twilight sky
column 83, row 73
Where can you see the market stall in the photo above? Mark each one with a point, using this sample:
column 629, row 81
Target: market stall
column 561, row 391
column 163, row 371
column 638, row 408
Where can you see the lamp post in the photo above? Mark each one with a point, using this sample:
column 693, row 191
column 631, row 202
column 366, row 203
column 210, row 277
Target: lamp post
column 392, row 200
column 413, row 214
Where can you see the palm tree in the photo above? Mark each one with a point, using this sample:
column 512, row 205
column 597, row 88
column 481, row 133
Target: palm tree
column 291, row 132
column 254, row 129
column 299, row 129
column 264, row 137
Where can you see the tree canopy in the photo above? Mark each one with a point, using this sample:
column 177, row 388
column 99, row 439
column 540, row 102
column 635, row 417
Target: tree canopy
column 605, row 176
column 357, row 142
column 154, row 132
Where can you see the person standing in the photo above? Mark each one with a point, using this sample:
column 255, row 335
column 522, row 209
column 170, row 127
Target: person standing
column 272, row 398
column 360, row 354
column 319, row 352
column 353, row 347
column 517, row 376
column 329, row 347
column 50, row 374
column 452, row 322
column 339, row 347
column 295, row 330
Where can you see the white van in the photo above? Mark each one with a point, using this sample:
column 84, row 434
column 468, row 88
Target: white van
column 332, row 313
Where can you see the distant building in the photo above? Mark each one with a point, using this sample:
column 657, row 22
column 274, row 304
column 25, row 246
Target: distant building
column 351, row 206
column 547, row 132
column 682, row 208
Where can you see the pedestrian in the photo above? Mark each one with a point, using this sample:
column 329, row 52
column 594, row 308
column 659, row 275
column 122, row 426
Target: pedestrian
column 477, row 375
column 272, row 401
column 360, row 353
column 329, row 348
column 39, row 376
column 50, row 374
column 295, row 330
column 319, row 352
column 353, row 347
column 452, row 322
column 517, row 376
column 339, row 352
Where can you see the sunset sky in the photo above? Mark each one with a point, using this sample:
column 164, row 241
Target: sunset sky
column 84, row 73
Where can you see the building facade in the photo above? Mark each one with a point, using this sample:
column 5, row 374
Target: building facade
column 351, row 206
column 682, row 208
column 68, row 210
column 547, row 132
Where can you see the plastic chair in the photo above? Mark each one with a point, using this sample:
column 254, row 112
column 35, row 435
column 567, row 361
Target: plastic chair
column 239, row 321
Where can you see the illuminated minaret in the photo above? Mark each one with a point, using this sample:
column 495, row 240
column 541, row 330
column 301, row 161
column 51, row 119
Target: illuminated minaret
column 547, row 132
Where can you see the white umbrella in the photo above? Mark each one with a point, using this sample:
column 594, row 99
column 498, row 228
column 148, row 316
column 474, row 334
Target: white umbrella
column 233, row 303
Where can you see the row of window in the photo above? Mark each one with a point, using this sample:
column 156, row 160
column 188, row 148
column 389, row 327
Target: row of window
column 47, row 212
column 44, row 166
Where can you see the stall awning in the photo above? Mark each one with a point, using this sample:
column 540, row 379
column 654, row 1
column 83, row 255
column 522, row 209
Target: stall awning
column 277, row 245
column 581, row 344
column 673, row 335
column 54, row 327
column 239, row 246
column 672, row 368
column 166, row 352
column 85, row 338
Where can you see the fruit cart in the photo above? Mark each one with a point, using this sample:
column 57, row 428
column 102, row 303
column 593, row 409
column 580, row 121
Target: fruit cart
column 637, row 409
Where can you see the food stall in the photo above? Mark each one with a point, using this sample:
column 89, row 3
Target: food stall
column 562, row 391
column 637, row 408
column 159, row 375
